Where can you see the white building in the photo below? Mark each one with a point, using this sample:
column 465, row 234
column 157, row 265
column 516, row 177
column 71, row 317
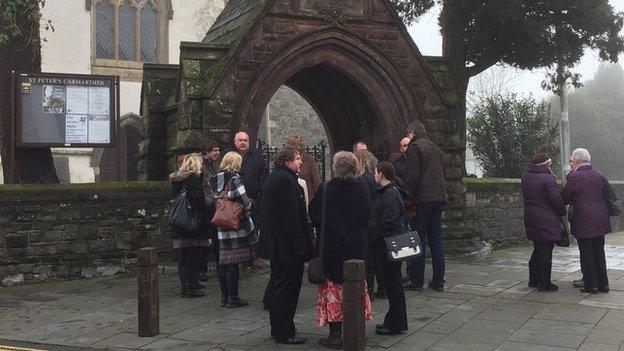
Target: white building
column 114, row 37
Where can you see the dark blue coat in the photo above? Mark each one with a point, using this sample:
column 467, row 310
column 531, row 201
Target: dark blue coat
column 543, row 205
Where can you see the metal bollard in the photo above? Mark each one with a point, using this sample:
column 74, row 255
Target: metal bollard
column 354, row 336
column 149, row 304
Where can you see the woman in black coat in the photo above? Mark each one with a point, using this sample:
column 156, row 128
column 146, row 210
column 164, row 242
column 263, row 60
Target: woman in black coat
column 188, row 178
column 388, row 218
column 348, row 206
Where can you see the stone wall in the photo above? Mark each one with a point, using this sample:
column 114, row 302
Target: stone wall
column 495, row 209
column 74, row 231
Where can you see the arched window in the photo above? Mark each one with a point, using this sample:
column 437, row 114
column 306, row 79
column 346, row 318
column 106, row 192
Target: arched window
column 128, row 32
column 105, row 30
column 149, row 34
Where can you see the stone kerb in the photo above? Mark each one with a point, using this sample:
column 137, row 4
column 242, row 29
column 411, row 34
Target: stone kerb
column 79, row 230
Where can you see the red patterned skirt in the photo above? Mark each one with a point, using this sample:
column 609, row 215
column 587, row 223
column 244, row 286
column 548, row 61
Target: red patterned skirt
column 329, row 305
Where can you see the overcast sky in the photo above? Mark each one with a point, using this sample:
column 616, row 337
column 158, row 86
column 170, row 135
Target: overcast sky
column 426, row 34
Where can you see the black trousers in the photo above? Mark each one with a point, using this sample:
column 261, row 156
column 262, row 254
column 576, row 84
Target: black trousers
column 187, row 266
column 593, row 262
column 285, row 289
column 540, row 264
column 374, row 269
column 396, row 318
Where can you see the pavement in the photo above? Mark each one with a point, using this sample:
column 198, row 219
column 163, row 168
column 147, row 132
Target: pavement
column 486, row 306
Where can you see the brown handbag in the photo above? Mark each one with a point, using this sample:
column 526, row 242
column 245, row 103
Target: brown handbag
column 227, row 212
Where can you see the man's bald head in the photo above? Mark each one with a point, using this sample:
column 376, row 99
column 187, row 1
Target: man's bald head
column 241, row 141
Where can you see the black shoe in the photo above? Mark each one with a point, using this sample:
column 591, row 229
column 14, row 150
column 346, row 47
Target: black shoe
column 589, row 290
column 294, row 340
column 604, row 289
column 548, row 288
column 436, row 287
column 224, row 300
column 379, row 326
column 195, row 285
column 238, row 302
column 578, row 283
column 332, row 342
column 532, row 284
column 413, row 286
column 203, row 277
column 386, row 331
column 194, row 293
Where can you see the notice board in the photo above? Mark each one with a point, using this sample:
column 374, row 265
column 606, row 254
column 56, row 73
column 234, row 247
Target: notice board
column 65, row 110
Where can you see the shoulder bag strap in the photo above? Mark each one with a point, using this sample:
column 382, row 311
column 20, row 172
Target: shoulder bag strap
column 404, row 219
column 323, row 223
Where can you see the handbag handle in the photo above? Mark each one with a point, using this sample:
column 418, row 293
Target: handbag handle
column 323, row 220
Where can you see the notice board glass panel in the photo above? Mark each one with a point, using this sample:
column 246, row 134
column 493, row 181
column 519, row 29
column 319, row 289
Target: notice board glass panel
column 54, row 110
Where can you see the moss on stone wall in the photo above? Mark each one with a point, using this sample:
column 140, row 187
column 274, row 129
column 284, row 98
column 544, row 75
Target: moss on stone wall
column 72, row 192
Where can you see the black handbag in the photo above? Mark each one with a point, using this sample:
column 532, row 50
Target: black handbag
column 316, row 274
column 182, row 216
column 612, row 201
column 565, row 236
column 404, row 246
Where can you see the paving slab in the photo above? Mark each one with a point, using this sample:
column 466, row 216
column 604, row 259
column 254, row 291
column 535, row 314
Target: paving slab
column 487, row 305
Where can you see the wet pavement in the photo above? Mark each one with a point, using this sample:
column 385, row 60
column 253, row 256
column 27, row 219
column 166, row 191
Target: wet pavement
column 486, row 306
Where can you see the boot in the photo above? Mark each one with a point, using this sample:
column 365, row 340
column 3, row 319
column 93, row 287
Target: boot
column 334, row 340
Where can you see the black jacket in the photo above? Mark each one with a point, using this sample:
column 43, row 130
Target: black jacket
column 371, row 184
column 399, row 167
column 195, row 194
column 348, row 211
column 388, row 214
column 284, row 231
column 254, row 171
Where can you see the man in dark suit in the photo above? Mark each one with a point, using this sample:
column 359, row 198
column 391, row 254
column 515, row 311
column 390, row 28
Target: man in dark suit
column 285, row 241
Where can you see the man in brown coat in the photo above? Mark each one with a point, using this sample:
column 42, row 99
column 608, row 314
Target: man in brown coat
column 425, row 180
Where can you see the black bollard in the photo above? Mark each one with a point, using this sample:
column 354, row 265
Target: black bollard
column 149, row 304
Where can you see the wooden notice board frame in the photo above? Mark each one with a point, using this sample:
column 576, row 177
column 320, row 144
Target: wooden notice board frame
column 24, row 83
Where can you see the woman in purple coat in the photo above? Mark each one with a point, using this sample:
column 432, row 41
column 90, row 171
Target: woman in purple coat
column 589, row 219
column 543, row 209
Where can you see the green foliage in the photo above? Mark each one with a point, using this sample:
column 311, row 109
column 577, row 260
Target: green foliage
column 13, row 15
column 596, row 120
column 526, row 34
column 506, row 131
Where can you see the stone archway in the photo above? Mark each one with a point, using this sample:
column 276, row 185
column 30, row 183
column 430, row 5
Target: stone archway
column 352, row 60
column 355, row 90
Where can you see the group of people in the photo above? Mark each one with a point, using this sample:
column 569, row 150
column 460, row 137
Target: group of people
column 286, row 210
column 587, row 193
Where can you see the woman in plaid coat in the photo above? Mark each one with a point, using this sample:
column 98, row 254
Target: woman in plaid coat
column 235, row 246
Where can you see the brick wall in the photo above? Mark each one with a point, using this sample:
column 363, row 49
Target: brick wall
column 78, row 230
column 496, row 210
